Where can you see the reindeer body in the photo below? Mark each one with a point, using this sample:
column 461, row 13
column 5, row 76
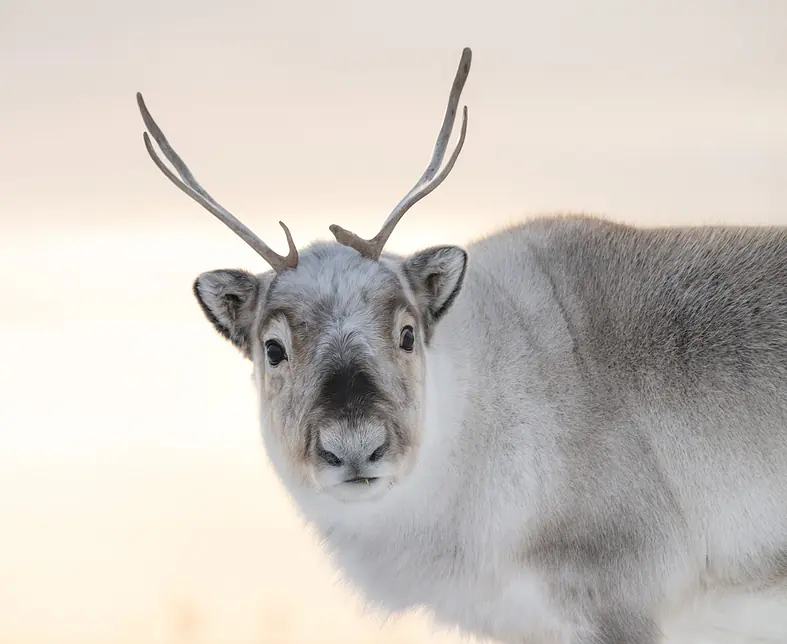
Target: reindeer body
column 605, row 442
column 573, row 432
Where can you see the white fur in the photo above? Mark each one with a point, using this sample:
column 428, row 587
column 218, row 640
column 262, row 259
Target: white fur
column 450, row 535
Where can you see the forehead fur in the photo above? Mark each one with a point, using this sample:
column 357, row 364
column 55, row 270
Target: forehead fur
column 335, row 282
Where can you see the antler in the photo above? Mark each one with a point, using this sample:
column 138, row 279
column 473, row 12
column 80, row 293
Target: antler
column 193, row 189
column 372, row 248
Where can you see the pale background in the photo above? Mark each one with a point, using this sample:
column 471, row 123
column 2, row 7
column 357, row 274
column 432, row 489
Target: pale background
column 136, row 505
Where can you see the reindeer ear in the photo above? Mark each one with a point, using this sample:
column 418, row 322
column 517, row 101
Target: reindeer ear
column 229, row 300
column 436, row 276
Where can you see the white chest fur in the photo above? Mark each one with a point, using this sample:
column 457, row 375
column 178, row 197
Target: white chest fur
column 402, row 563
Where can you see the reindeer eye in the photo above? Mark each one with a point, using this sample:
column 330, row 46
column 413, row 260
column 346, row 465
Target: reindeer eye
column 407, row 339
column 275, row 352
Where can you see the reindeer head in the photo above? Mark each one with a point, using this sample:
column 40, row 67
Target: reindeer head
column 338, row 335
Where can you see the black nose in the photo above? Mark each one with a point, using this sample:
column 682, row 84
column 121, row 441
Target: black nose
column 329, row 457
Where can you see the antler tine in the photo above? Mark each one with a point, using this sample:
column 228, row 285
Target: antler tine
column 193, row 189
column 372, row 248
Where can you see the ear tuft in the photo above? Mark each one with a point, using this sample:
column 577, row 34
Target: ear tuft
column 228, row 299
column 436, row 275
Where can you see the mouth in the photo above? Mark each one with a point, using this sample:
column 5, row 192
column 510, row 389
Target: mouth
column 362, row 480
column 361, row 488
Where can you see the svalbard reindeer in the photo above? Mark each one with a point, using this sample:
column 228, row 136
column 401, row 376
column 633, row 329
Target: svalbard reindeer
column 572, row 431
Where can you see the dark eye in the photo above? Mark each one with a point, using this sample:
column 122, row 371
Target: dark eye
column 407, row 339
column 275, row 352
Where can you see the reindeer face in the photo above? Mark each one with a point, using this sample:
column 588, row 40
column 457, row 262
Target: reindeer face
column 338, row 337
column 339, row 347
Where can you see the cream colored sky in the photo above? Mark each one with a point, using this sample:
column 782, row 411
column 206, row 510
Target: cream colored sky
column 317, row 110
column 135, row 500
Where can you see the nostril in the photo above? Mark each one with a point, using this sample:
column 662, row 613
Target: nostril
column 328, row 457
column 377, row 454
column 332, row 459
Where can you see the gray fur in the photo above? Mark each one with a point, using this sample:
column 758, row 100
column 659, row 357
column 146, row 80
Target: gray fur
column 593, row 425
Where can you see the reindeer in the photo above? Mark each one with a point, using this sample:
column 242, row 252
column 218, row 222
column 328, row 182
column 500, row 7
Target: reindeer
column 571, row 431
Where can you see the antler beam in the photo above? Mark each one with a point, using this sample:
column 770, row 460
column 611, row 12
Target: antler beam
column 430, row 179
column 193, row 189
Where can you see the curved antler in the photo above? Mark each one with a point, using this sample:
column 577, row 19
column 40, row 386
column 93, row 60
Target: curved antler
column 373, row 248
column 193, row 189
